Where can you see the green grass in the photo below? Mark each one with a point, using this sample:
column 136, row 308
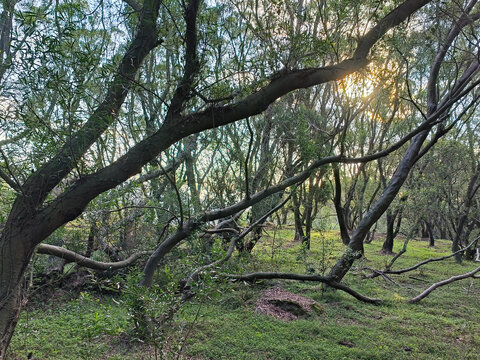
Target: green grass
column 222, row 323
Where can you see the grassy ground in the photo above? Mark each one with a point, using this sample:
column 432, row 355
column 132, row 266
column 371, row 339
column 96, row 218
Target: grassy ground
column 222, row 324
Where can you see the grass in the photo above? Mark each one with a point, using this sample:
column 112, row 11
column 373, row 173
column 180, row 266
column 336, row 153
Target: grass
column 222, row 323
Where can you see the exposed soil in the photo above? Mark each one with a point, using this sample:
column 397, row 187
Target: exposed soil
column 284, row 305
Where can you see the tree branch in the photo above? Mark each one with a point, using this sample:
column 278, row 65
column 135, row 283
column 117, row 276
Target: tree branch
column 75, row 199
column 421, row 263
column 9, row 181
column 191, row 62
column 194, row 276
column 443, row 283
column 81, row 260
column 134, row 5
column 40, row 183
column 301, row 277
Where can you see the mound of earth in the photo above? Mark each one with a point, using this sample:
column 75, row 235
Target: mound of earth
column 285, row 305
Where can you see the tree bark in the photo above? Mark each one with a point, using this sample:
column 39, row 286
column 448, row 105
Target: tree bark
column 15, row 256
column 387, row 246
column 10, row 310
column 459, row 229
column 392, row 229
column 355, row 247
column 431, row 237
column 338, row 207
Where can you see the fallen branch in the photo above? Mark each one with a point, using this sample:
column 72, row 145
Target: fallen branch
column 443, row 283
column 421, row 263
column 301, row 277
column 71, row 256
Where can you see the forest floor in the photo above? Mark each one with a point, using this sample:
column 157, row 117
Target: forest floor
column 224, row 322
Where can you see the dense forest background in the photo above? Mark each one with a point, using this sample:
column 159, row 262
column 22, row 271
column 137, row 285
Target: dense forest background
column 155, row 145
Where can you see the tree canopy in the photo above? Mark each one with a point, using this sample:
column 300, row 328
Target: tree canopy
column 130, row 127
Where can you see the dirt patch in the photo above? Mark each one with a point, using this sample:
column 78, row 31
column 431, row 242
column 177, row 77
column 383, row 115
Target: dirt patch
column 284, row 305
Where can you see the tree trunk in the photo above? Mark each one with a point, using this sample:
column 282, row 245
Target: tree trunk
column 308, row 225
column 15, row 252
column 190, row 160
column 387, row 247
column 9, row 313
column 424, row 231
column 431, row 238
column 338, row 207
column 392, row 229
column 371, row 235
column 462, row 222
column 250, row 244
column 355, row 247
column 299, row 234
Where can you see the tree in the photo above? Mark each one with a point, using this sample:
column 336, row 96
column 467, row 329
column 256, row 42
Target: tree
column 436, row 108
column 57, row 178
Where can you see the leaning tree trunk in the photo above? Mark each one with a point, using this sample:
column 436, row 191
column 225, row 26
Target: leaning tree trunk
column 297, row 217
column 15, row 252
column 355, row 247
column 10, row 310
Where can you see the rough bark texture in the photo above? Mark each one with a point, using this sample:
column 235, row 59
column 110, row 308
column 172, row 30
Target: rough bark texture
column 10, row 310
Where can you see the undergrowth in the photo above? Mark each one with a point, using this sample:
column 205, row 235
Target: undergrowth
column 221, row 322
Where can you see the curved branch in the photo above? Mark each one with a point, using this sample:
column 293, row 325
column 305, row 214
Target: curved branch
column 75, row 199
column 40, row 183
column 458, row 25
column 443, row 283
column 182, row 92
column 301, row 277
column 81, row 260
column 421, row 263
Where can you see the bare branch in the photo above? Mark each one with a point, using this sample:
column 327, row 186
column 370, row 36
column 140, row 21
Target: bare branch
column 443, row 283
column 421, row 263
column 221, row 230
column 81, row 260
column 9, row 181
column 182, row 92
